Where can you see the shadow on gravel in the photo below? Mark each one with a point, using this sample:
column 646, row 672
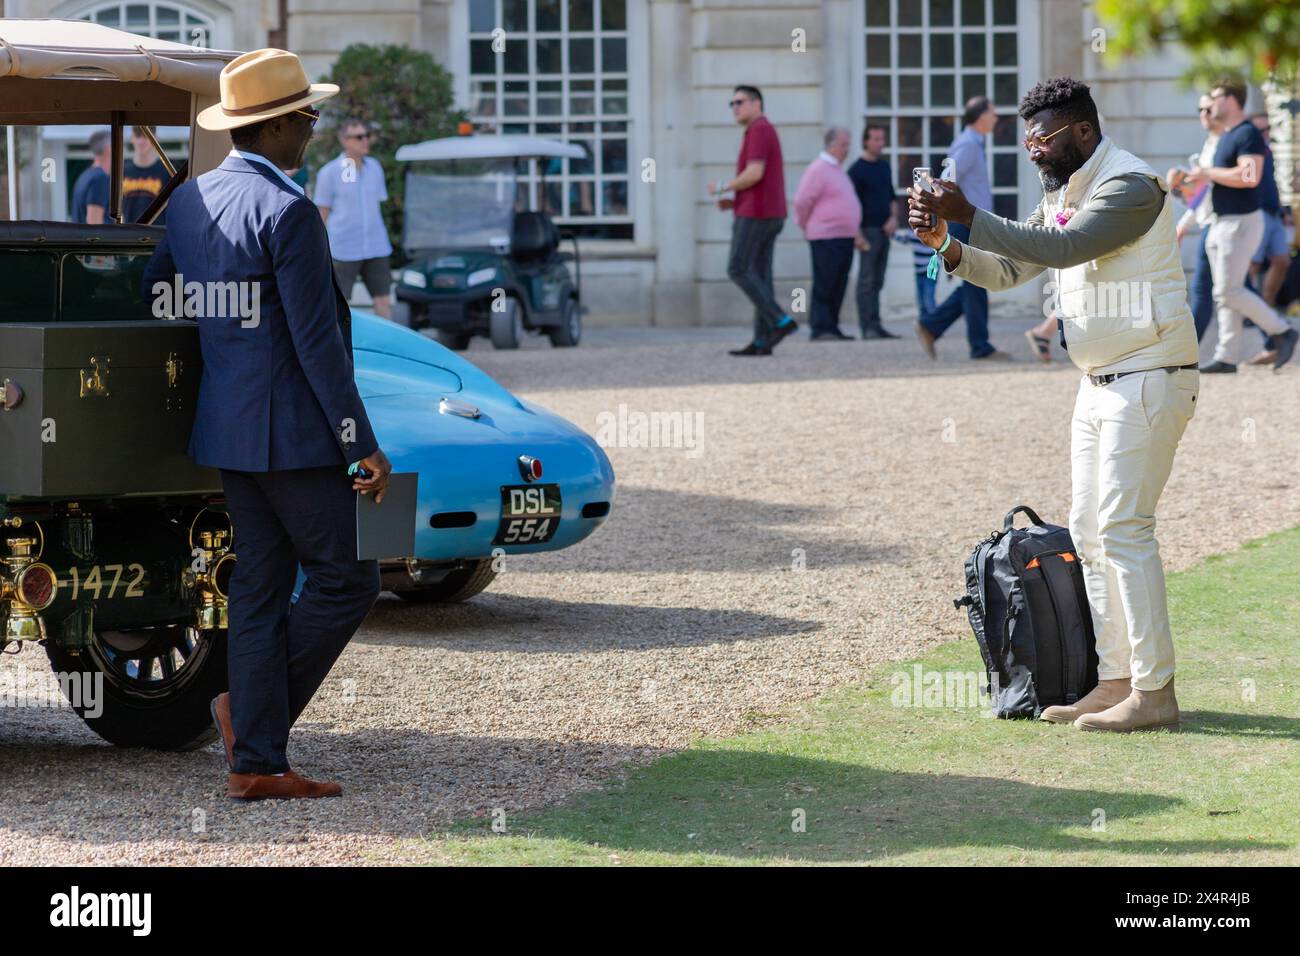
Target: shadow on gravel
column 500, row 622
column 741, row 804
column 657, row 530
column 398, row 783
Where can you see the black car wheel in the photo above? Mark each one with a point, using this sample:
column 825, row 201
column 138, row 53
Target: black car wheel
column 506, row 327
column 569, row 332
column 157, row 683
column 456, row 341
column 459, row 585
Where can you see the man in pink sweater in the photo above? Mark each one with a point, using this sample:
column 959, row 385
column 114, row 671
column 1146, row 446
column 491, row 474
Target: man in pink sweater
column 826, row 208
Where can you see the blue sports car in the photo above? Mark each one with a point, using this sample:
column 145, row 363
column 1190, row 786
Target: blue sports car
column 497, row 475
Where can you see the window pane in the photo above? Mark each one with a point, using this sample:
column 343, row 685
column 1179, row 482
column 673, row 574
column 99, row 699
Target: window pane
column 613, row 156
column 548, row 15
column 615, row 198
column 909, row 49
column 1004, row 12
column 943, row 90
column 580, row 15
column 972, row 49
column 973, row 84
column 1006, row 206
column 582, row 198
column 1005, row 132
column 549, row 54
column 613, row 55
column 516, row 56
column 613, row 14
column 552, row 198
column 482, row 16
column 909, row 131
column 514, row 15
column 613, row 102
column 481, row 57
column 943, row 130
column 167, row 16
column 909, row 14
column 940, row 13
column 1004, row 49
column 972, row 13
column 910, row 91
column 110, row 17
column 582, row 56
column 941, row 52
column 878, row 13
column 173, row 35
column 878, row 50
column 906, row 163
column 1004, row 169
column 582, row 102
column 878, row 91
column 1004, row 89
column 137, row 16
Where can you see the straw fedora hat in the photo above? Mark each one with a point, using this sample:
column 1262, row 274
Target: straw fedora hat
column 259, row 85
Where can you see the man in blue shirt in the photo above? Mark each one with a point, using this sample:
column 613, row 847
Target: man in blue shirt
column 90, row 191
column 1234, row 235
column 349, row 189
column 873, row 182
column 971, row 171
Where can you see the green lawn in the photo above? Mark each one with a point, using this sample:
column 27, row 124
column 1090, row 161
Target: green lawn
column 878, row 783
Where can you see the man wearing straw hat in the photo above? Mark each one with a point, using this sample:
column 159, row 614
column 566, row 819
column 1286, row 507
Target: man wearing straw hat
column 278, row 413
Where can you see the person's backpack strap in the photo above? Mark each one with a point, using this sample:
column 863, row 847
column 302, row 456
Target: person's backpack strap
column 1028, row 512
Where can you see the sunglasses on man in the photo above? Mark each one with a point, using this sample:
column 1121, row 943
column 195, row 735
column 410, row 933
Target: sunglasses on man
column 1034, row 141
column 311, row 114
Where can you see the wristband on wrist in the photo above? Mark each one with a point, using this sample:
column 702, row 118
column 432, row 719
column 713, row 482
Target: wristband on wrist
column 932, row 270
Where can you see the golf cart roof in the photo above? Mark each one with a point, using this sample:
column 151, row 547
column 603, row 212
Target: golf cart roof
column 54, row 72
column 488, row 147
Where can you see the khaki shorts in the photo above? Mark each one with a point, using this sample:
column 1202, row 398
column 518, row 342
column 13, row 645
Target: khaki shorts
column 374, row 272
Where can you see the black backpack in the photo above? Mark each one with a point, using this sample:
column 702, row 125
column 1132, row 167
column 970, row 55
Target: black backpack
column 1029, row 610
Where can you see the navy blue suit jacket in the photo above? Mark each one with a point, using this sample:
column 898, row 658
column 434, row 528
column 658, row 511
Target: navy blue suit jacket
column 279, row 394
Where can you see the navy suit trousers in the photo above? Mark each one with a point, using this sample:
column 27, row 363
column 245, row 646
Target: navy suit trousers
column 280, row 652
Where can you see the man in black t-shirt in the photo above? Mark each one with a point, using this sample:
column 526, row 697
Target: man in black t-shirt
column 874, row 183
column 1234, row 235
column 143, row 177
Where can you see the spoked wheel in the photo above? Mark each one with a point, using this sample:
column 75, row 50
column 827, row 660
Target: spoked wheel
column 148, row 687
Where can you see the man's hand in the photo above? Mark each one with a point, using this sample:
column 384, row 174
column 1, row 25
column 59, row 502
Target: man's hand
column 932, row 236
column 378, row 467
column 725, row 204
column 951, row 204
column 890, row 226
column 1190, row 180
column 860, row 243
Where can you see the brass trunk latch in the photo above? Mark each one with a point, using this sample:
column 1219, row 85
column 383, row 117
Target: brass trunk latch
column 94, row 381
column 174, row 367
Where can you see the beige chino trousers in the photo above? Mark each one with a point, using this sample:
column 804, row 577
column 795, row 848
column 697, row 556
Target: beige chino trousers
column 1123, row 439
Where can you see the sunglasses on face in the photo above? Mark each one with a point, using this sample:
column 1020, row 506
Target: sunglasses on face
column 734, row 103
column 1204, row 109
column 357, row 136
column 1033, row 141
column 313, row 115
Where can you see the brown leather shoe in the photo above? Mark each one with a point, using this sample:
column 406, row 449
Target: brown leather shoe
column 1104, row 696
column 220, row 708
column 267, row 786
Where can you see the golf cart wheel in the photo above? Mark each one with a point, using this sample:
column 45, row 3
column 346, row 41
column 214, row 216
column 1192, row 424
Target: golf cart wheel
column 506, row 327
column 148, row 687
column 569, row 332
column 460, row 585
column 456, row 341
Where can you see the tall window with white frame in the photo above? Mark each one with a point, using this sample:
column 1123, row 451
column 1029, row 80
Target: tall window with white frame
column 558, row 69
column 165, row 21
column 924, row 60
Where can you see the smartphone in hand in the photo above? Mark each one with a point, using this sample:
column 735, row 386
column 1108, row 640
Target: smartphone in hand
column 922, row 179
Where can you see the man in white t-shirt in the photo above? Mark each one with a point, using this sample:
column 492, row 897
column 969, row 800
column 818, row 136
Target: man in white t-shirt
column 349, row 189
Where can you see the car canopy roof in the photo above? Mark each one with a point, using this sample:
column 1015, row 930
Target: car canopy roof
column 488, row 147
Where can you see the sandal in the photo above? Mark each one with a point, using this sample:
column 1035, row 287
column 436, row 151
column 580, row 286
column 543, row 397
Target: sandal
column 1042, row 347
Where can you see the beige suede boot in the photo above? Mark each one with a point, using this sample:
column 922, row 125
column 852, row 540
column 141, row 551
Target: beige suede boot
column 1142, row 710
column 1105, row 695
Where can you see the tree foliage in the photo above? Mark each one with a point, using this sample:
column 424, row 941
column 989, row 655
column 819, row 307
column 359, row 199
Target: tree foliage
column 402, row 94
column 1258, row 40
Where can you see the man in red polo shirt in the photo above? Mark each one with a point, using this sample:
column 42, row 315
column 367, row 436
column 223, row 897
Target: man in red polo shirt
column 759, row 207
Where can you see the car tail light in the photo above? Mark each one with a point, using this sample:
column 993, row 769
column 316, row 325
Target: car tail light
column 530, row 468
column 37, row 586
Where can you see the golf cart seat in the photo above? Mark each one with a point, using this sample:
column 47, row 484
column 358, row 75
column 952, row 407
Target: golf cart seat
column 534, row 238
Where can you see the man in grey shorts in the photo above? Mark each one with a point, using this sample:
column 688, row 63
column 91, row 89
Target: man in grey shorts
column 349, row 189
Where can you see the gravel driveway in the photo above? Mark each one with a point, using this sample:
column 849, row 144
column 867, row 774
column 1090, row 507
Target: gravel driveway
column 815, row 529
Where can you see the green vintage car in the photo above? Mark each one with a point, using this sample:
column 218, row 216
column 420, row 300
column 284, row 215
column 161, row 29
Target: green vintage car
column 115, row 548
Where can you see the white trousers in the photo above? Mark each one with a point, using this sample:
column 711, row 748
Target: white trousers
column 1123, row 439
column 1229, row 245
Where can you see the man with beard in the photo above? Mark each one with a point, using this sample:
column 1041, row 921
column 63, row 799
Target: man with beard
column 1105, row 226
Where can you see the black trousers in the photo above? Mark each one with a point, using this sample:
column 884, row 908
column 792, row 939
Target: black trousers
column 749, row 265
column 831, row 261
column 279, row 653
